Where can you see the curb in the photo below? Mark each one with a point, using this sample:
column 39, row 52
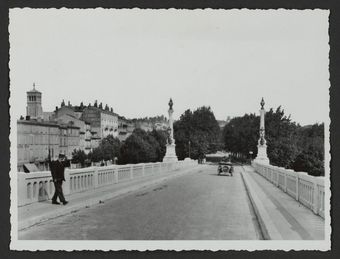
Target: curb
column 267, row 228
column 90, row 202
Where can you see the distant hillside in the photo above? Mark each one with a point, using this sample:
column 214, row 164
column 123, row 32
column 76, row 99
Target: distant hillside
column 153, row 120
column 150, row 123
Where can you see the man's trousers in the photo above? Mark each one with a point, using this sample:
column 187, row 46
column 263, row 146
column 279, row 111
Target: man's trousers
column 58, row 191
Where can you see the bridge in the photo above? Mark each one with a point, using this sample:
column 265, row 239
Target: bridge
column 180, row 200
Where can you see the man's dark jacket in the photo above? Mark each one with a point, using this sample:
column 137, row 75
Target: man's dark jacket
column 57, row 170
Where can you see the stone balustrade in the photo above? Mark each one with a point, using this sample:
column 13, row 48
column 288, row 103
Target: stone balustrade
column 306, row 189
column 38, row 186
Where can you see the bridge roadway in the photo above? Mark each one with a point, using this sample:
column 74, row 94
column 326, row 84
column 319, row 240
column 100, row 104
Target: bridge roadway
column 199, row 205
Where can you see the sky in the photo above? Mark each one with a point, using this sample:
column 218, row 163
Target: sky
column 135, row 60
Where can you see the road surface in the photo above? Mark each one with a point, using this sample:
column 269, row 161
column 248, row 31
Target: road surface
column 196, row 206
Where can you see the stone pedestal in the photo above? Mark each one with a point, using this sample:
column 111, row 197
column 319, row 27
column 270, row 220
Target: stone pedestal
column 170, row 155
column 262, row 155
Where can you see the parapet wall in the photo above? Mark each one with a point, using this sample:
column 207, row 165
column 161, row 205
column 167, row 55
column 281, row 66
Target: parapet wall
column 38, row 186
column 306, row 189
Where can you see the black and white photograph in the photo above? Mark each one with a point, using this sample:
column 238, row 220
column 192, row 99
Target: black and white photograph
column 169, row 129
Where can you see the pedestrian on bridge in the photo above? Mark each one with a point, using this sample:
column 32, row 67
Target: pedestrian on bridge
column 57, row 170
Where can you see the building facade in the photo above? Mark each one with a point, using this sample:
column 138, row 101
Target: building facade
column 69, row 139
column 85, row 134
column 70, row 128
column 40, row 134
column 104, row 122
column 35, row 139
column 125, row 128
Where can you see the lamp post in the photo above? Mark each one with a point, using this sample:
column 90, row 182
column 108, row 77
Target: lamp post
column 189, row 150
column 250, row 155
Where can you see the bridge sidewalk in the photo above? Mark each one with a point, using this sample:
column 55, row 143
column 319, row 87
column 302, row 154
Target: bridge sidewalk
column 35, row 213
column 280, row 216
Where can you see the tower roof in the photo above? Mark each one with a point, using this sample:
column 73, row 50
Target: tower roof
column 33, row 90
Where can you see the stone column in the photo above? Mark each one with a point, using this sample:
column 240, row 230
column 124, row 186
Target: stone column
column 262, row 143
column 171, row 122
column 170, row 155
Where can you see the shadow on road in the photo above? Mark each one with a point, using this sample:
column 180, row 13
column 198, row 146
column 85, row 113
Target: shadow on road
column 220, row 175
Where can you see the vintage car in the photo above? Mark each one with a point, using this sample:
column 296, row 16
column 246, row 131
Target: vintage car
column 225, row 168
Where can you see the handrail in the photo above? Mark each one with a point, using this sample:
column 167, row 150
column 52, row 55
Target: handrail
column 306, row 189
column 39, row 186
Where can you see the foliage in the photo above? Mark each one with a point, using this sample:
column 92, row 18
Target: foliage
column 143, row 147
column 281, row 136
column 96, row 155
column 198, row 131
column 307, row 161
column 311, row 156
column 108, row 149
column 161, row 137
column 79, row 156
column 288, row 145
column 238, row 159
column 241, row 134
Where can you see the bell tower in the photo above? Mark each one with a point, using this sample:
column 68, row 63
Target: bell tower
column 34, row 108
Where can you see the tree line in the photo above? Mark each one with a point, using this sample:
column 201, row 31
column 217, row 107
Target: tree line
column 197, row 133
column 139, row 147
column 289, row 145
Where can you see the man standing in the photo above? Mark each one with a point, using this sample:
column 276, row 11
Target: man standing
column 57, row 170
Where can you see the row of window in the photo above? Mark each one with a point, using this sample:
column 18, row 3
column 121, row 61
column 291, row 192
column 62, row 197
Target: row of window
column 39, row 140
column 30, row 139
column 36, row 139
column 32, row 98
column 24, row 128
column 33, row 153
column 29, row 154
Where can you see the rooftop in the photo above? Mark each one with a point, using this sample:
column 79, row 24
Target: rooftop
column 34, row 90
column 46, row 123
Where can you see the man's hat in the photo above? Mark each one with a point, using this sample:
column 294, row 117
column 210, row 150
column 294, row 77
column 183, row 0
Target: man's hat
column 61, row 156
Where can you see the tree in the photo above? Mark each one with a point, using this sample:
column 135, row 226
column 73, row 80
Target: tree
column 108, row 149
column 161, row 137
column 241, row 134
column 201, row 129
column 136, row 150
column 183, row 133
column 311, row 150
column 282, row 138
column 142, row 147
column 307, row 161
column 79, row 156
column 96, row 155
